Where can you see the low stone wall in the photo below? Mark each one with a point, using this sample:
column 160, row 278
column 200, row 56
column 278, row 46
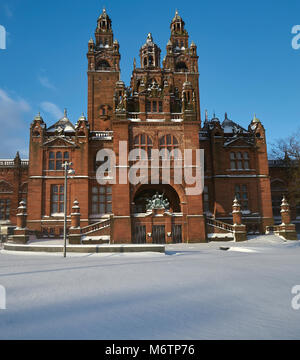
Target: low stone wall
column 96, row 249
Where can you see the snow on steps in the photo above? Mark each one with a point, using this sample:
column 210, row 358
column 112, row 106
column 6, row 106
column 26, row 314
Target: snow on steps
column 101, row 228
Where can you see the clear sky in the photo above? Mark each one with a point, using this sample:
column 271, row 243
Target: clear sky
column 246, row 60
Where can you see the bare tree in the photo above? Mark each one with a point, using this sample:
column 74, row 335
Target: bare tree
column 287, row 152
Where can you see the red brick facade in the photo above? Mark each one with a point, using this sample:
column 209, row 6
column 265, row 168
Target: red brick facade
column 160, row 109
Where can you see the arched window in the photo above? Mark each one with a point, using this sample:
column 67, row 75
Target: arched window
column 169, row 143
column 103, row 65
column 143, row 142
column 181, row 67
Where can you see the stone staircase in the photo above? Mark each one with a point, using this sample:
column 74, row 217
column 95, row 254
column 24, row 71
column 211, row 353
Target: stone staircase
column 226, row 233
column 97, row 233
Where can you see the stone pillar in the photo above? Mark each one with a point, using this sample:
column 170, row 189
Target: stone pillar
column 112, row 229
column 287, row 230
column 21, row 233
column 285, row 212
column 236, row 213
column 168, row 225
column 239, row 230
column 75, row 231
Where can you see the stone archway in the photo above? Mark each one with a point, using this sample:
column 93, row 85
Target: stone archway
column 148, row 191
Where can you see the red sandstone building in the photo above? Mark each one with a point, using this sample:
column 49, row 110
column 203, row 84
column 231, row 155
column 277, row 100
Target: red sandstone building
column 159, row 110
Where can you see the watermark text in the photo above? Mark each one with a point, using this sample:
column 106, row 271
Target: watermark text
column 296, row 38
column 2, row 38
column 2, row 298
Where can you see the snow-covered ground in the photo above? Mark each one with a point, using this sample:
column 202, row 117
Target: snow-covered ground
column 192, row 292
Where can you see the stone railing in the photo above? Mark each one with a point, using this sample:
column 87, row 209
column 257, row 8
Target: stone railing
column 220, row 225
column 176, row 116
column 12, row 163
column 134, row 115
column 7, row 163
column 102, row 135
column 272, row 229
column 25, row 163
column 96, row 227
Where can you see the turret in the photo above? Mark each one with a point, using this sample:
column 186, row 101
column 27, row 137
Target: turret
column 150, row 54
column 179, row 36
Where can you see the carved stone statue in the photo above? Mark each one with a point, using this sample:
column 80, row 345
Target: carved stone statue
column 157, row 202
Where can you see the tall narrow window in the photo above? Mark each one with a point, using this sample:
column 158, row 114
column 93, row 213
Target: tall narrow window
column 154, row 106
column 206, row 199
column 101, row 200
column 232, row 161
column 57, row 199
column 241, row 192
column 51, row 160
column 143, row 142
column 148, row 107
column 169, row 143
column 4, row 209
column 160, row 106
column 246, row 161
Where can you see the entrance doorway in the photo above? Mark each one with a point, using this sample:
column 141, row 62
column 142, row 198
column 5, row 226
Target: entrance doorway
column 159, row 234
column 177, row 234
column 140, row 234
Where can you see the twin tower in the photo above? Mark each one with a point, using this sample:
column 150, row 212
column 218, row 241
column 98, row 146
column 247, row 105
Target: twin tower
column 155, row 91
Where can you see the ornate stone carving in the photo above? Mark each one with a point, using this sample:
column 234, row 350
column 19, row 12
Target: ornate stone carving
column 157, row 202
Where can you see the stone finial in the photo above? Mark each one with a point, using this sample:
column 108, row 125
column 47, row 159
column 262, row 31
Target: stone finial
column 206, row 115
column 236, row 202
column 284, row 201
column 82, row 117
column 255, row 120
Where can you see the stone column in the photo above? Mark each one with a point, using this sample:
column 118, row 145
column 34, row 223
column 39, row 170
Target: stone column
column 21, row 233
column 75, row 231
column 287, row 230
column 239, row 230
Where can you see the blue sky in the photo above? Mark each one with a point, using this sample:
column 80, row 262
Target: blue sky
column 246, row 61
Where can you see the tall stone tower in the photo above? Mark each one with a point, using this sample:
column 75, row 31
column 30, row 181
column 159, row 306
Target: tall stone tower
column 103, row 73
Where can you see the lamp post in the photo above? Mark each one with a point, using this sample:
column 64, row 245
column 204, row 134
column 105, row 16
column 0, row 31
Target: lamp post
column 68, row 171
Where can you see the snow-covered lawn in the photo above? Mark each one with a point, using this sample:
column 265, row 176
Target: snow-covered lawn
column 192, row 292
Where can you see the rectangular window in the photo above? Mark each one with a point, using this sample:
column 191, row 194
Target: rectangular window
column 101, row 200
column 239, row 161
column 206, row 199
column 160, row 105
column 4, row 209
column 57, row 199
column 241, row 193
column 148, row 107
column 154, row 106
